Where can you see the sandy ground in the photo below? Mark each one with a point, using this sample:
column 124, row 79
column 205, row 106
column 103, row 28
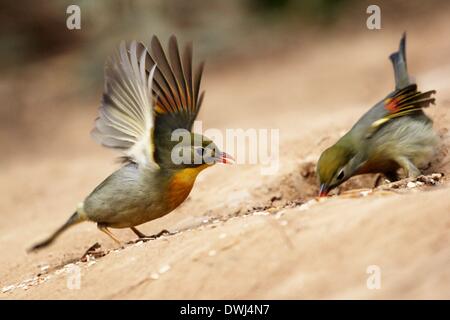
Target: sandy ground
column 241, row 234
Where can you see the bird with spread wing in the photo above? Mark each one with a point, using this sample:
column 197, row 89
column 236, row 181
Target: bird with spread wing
column 148, row 96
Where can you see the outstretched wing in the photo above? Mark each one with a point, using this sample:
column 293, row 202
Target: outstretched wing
column 126, row 120
column 400, row 103
column 176, row 87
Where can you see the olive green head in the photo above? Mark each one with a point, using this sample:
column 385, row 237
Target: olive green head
column 334, row 167
column 191, row 150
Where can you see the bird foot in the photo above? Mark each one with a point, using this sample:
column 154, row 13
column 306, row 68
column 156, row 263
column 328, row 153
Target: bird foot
column 145, row 238
column 93, row 251
column 163, row 232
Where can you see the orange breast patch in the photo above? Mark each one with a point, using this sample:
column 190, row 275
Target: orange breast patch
column 181, row 185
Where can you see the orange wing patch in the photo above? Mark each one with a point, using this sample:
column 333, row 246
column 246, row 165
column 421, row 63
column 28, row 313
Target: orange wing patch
column 391, row 104
column 404, row 102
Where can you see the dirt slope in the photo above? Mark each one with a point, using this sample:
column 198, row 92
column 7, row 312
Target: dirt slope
column 240, row 234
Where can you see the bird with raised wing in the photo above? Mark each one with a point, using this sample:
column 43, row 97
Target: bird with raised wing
column 148, row 96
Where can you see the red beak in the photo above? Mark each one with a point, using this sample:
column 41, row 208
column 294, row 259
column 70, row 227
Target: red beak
column 323, row 192
column 225, row 158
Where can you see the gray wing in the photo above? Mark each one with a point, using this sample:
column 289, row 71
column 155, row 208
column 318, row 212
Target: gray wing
column 400, row 103
column 126, row 120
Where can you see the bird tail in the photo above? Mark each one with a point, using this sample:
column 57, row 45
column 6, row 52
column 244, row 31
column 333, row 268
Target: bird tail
column 74, row 219
column 398, row 60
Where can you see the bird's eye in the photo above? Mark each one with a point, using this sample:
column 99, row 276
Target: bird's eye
column 200, row 151
column 340, row 175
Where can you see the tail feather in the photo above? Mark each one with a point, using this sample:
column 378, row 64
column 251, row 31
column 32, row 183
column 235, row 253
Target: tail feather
column 73, row 220
column 398, row 60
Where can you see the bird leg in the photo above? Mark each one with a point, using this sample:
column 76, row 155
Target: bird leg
column 409, row 168
column 104, row 228
column 138, row 233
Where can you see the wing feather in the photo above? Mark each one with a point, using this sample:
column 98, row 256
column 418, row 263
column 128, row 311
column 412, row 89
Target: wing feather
column 179, row 104
column 197, row 81
column 175, row 61
column 401, row 103
column 164, row 67
column 187, row 68
column 126, row 120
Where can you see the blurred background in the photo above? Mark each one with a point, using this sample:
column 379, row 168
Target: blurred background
column 308, row 68
column 49, row 72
